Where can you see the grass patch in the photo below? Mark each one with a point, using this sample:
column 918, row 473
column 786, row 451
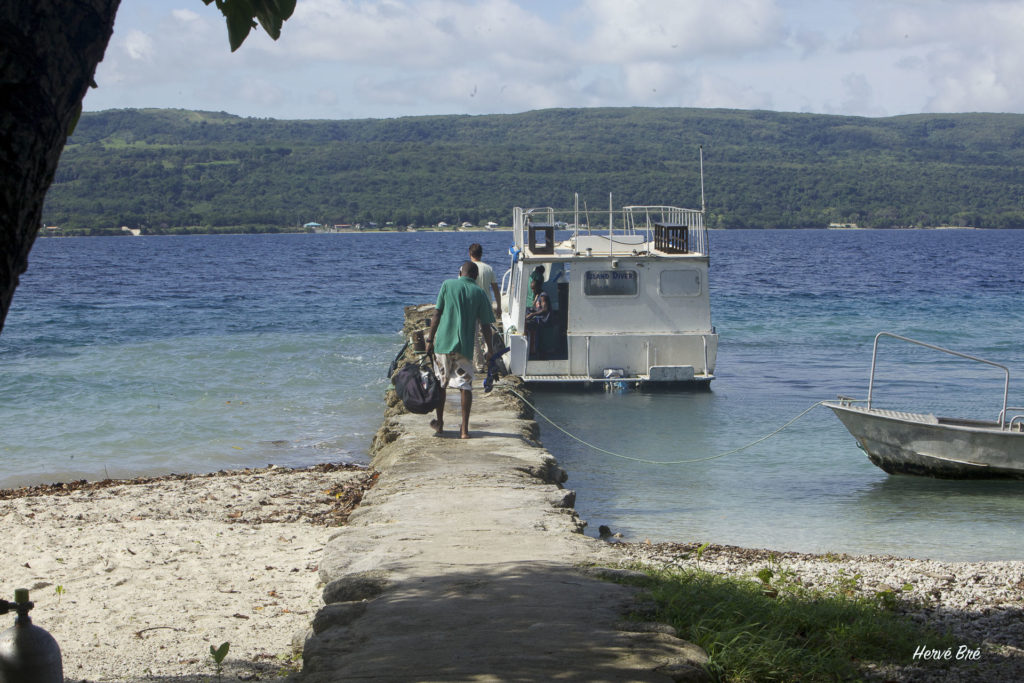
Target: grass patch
column 769, row 627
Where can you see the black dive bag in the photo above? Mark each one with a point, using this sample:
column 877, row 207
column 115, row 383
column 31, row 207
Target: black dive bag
column 418, row 387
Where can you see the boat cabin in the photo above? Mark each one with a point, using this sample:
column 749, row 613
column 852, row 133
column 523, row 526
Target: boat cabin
column 627, row 292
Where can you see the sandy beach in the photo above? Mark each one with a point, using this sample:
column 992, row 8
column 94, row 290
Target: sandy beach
column 137, row 579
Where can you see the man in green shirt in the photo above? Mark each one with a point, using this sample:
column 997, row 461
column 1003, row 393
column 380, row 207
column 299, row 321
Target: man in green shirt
column 461, row 306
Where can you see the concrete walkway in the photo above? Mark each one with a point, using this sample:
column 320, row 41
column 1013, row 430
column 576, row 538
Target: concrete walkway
column 466, row 562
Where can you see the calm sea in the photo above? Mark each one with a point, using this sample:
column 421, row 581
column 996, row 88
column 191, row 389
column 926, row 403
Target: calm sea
column 131, row 356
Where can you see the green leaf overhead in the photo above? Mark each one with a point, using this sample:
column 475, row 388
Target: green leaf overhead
column 272, row 14
column 241, row 17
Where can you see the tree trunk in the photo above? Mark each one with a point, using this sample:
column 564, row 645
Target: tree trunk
column 49, row 50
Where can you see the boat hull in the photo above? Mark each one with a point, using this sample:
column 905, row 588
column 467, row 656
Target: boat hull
column 923, row 445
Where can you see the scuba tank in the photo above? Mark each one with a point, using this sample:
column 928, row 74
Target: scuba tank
column 28, row 654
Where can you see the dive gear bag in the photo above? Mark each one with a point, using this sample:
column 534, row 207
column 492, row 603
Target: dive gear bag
column 418, row 387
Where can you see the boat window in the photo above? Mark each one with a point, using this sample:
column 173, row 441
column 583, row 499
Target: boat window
column 610, row 282
column 680, row 283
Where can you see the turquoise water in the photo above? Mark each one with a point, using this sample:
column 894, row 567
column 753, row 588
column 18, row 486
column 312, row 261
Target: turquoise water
column 131, row 356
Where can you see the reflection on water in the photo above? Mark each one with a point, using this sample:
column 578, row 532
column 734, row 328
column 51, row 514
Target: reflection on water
column 807, row 489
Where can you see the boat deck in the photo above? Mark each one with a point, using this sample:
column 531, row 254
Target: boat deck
column 927, row 418
column 924, row 418
column 604, row 380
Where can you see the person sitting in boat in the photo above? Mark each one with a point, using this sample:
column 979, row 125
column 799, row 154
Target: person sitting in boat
column 537, row 316
column 537, row 276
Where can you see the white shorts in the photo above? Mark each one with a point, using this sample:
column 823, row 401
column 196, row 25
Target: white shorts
column 455, row 371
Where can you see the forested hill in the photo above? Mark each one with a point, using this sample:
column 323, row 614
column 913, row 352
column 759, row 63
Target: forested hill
column 164, row 169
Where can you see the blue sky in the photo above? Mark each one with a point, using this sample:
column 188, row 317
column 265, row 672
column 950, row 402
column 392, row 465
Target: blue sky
column 342, row 59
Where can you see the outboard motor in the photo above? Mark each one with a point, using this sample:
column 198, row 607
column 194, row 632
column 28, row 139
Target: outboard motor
column 28, row 654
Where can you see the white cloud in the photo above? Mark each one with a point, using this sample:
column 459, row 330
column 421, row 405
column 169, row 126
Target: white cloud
column 974, row 83
column 408, row 33
column 859, row 97
column 164, row 60
column 446, row 55
column 626, row 30
column 969, row 53
column 716, row 91
column 185, row 16
column 138, row 45
column 405, row 57
column 645, row 79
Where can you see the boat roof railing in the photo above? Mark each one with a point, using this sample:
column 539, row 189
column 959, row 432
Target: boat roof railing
column 1006, row 370
column 670, row 228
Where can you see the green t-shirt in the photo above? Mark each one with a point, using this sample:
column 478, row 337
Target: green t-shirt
column 462, row 303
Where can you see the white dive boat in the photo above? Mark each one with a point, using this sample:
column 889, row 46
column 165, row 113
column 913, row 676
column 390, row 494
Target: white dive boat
column 923, row 444
column 629, row 297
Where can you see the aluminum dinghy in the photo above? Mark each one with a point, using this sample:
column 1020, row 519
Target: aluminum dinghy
column 926, row 445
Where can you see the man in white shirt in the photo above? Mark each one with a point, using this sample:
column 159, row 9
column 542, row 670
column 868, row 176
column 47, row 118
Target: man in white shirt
column 484, row 278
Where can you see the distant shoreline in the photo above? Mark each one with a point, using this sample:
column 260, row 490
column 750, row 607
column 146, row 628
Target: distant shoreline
column 187, row 233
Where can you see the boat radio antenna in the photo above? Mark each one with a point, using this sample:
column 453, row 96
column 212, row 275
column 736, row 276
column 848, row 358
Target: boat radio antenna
column 576, row 215
column 701, row 151
column 611, row 216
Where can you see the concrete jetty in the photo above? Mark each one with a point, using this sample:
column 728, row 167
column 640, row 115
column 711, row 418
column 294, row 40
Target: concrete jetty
column 467, row 562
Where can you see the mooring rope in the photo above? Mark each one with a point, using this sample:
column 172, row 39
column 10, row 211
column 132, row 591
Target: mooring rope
column 657, row 462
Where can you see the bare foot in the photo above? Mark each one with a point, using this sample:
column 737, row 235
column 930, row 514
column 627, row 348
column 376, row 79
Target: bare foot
column 438, row 426
column 465, row 435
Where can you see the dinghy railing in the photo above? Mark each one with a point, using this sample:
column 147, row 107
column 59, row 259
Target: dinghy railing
column 1006, row 370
